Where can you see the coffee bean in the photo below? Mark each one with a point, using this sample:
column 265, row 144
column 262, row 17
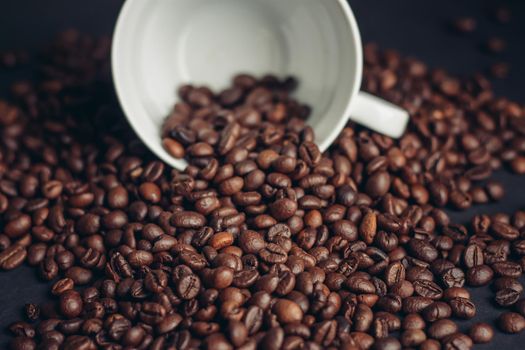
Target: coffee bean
column 457, row 341
column 118, row 197
column 12, row 257
column 462, row 308
column 368, row 227
column 169, row 323
column 139, row 258
column 70, row 303
column 273, row 339
column 174, row 148
column 473, row 256
column 442, row 328
column 288, row 311
column 413, row 337
column 217, row 341
column 507, row 269
column 465, row 25
column 518, row 165
column 62, row 285
column 221, row 240
column 251, row 242
column 378, row 184
column 150, row 192
column 187, row 286
column 504, row 231
column 511, row 322
column 391, row 303
column 507, row 297
column 508, row 283
column 413, row 321
column 495, row 45
column 427, row 289
column 423, row 250
column 414, row 304
column 187, row 219
column 52, row 189
column 387, row 343
column 430, row 344
column 455, row 292
column 436, row 311
column 283, row 209
column 394, row 273
column 479, row 275
column 273, row 254
column 453, row 278
column 152, row 313
column 481, row 333
column 22, row 343
column 79, row 275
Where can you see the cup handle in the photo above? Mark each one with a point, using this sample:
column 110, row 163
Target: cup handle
column 379, row 115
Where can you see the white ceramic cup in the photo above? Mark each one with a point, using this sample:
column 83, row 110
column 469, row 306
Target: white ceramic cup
column 159, row 45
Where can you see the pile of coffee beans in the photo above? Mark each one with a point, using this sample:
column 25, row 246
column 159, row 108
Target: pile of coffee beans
column 263, row 241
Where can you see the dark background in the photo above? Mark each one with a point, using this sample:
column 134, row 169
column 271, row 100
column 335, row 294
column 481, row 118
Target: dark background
column 420, row 28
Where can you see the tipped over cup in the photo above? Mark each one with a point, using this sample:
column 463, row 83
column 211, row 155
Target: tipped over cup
column 160, row 45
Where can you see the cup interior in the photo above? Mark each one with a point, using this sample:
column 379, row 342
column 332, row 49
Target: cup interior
column 160, row 45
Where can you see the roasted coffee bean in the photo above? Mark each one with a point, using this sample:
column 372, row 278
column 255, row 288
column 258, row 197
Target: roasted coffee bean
column 479, row 275
column 413, row 337
column 70, row 303
column 283, row 209
column 442, row 328
column 453, row 278
column 427, row 289
column 414, row 304
column 62, row 285
column 507, row 297
column 390, row 303
column 436, row 311
column 430, row 344
column 187, row 286
column 423, row 250
column 188, row 219
column 368, row 227
column 394, row 273
column 253, row 319
column 363, row 317
column 508, row 283
column 378, row 184
column 413, row 321
column 465, row 24
column 457, row 341
column 388, row 343
column 287, row 311
column 251, row 242
column 511, row 322
column 481, row 333
column 473, row 256
column 22, row 343
column 462, row 308
column 13, row 256
column 504, row 231
column 507, row 269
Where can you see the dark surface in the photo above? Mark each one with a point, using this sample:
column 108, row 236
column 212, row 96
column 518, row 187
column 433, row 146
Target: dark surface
column 414, row 27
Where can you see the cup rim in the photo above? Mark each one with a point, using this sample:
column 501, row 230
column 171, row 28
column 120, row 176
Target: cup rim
column 356, row 84
column 154, row 144
column 123, row 93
